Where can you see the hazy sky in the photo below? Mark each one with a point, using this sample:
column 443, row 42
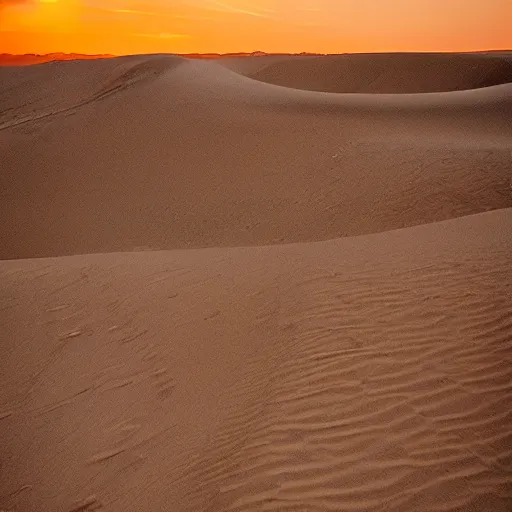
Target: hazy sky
column 181, row 26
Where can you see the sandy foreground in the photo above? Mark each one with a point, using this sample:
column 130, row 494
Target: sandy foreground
column 237, row 285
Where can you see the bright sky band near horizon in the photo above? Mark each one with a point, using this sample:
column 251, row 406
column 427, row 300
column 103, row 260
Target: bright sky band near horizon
column 221, row 26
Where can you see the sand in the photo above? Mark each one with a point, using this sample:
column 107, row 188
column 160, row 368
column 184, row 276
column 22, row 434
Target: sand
column 220, row 293
column 381, row 73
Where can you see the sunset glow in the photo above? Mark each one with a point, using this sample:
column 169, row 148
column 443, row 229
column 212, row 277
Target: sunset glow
column 184, row 26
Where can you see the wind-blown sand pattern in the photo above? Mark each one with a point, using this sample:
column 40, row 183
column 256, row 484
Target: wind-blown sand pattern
column 222, row 294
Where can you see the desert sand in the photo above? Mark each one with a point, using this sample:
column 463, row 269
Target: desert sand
column 260, row 283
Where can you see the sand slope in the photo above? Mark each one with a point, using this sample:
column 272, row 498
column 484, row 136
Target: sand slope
column 162, row 152
column 369, row 373
column 387, row 73
column 364, row 367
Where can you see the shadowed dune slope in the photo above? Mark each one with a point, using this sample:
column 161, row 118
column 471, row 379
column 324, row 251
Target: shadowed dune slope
column 359, row 375
column 161, row 152
column 386, row 73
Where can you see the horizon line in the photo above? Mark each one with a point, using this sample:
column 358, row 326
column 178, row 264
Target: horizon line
column 255, row 53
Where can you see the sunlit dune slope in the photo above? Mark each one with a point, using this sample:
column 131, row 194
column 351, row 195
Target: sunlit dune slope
column 361, row 374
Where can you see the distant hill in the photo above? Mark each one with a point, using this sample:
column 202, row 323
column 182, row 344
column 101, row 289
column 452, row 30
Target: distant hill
column 7, row 59
column 238, row 54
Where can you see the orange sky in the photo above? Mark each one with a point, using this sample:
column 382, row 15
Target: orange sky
column 182, row 26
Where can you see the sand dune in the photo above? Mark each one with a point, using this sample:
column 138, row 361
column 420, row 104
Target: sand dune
column 368, row 373
column 386, row 73
column 163, row 152
column 222, row 294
